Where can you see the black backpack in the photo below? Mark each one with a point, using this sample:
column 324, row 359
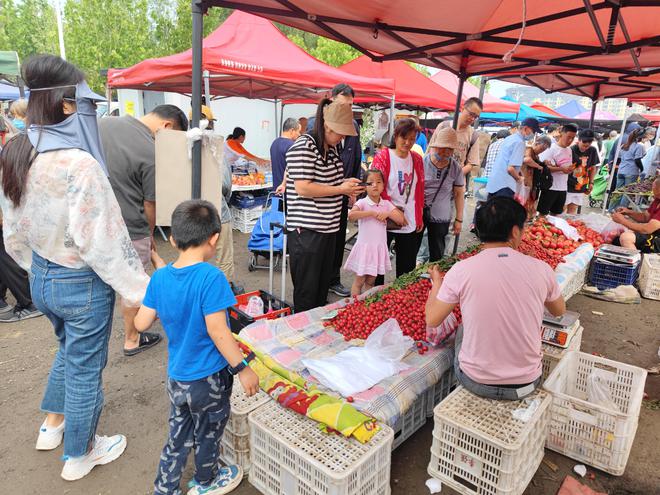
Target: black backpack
column 543, row 178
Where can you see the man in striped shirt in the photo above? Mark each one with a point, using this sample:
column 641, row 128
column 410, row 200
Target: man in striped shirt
column 315, row 185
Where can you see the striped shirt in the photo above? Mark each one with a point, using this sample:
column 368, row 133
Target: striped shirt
column 305, row 162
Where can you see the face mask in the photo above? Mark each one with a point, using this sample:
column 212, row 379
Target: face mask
column 19, row 124
column 79, row 130
column 440, row 159
column 529, row 137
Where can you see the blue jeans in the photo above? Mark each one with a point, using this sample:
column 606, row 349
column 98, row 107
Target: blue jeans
column 622, row 180
column 199, row 411
column 80, row 306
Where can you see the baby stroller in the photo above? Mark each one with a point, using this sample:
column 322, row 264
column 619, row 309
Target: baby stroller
column 259, row 243
column 600, row 185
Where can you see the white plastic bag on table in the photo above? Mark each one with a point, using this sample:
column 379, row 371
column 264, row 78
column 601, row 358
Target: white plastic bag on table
column 255, row 306
column 359, row 368
column 598, row 390
column 568, row 230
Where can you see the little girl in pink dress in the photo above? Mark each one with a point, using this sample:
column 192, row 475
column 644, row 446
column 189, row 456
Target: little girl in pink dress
column 370, row 257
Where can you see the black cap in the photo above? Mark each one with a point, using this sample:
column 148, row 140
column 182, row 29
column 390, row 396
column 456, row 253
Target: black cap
column 533, row 124
column 586, row 135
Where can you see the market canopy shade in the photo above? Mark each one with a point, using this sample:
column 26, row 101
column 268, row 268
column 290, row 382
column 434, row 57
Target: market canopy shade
column 9, row 64
column 546, row 109
column 599, row 115
column 571, row 108
column 246, row 56
column 491, row 103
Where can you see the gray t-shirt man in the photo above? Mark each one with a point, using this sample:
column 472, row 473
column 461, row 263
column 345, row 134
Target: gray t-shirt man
column 130, row 153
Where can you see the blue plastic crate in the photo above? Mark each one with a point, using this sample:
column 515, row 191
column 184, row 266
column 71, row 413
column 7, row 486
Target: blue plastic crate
column 244, row 201
column 607, row 274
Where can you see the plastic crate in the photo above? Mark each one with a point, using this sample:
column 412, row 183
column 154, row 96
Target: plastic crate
column 235, row 443
column 291, row 455
column 590, row 433
column 553, row 354
column 239, row 319
column 410, row 421
column 241, row 201
column 480, row 448
column 649, row 277
column 436, row 393
column 608, row 274
column 244, row 226
column 575, row 283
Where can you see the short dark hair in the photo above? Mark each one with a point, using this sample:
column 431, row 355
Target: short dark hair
column 474, row 101
column 236, row 133
column 174, row 114
column 374, row 171
column 497, row 217
column 193, row 223
column 343, row 89
column 290, row 124
column 569, row 128
column 552, row 128
column 403, row 127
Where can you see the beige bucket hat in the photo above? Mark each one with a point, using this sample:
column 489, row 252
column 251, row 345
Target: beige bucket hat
column 444, row 138
column 339, row 118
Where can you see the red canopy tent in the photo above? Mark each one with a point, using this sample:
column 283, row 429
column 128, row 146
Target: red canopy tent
column 492, row 104
column 246, row 56
column 546, row 109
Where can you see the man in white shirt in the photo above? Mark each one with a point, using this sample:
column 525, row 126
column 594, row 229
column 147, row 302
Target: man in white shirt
column 560, row 156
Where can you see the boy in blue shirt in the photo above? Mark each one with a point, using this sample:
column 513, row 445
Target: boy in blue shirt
column 191, row 296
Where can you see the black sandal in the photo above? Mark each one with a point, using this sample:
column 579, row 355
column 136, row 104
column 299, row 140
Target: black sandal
column 147, row 340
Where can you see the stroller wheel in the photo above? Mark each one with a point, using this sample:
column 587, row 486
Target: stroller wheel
column 252, row 265
column 592, row 203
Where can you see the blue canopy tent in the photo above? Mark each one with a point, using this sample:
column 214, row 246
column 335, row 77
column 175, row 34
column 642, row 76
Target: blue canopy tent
column 9, row 92
column 571, row 109
column 525, row 112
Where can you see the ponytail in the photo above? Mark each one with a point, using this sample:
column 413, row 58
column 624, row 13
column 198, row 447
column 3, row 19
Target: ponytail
column 318, row 133
column 238, row 132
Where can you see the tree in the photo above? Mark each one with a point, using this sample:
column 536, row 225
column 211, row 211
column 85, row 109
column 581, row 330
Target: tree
column 28, row 27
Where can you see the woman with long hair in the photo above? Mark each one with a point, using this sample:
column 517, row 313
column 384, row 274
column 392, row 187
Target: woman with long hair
column 403, row 170
column 630, row 164
column 63, row 224
column 315, row 185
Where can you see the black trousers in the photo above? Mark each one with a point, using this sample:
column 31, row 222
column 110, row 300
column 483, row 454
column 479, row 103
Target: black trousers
column 310, row 256
column 437, row 233
column 341, row 242
column 13, row 277
column 406, row 247
column 551, row 202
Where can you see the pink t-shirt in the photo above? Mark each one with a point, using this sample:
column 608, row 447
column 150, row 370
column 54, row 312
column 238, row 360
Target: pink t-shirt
column 502, row 294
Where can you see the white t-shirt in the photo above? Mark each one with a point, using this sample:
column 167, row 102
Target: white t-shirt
column 560, row 157
column 402, row 180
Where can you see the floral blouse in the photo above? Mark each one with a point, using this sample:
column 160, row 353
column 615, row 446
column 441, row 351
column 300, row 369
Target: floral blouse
column 70, row 216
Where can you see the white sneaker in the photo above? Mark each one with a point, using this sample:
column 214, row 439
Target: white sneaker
column 50, row 437
column 105, row 450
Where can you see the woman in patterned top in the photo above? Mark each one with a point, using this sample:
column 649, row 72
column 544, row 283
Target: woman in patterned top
column 62, row 223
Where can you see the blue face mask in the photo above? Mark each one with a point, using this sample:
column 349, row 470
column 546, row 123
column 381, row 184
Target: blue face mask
column 79, row 130
column 19, row 124
column 529, row 137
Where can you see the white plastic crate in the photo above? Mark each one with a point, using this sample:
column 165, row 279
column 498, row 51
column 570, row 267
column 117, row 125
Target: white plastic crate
column 244, row 227
column 480, row 448
column 244, row 219
column 436, row 393
column 235, row 443
column 575, row 283
column 596, row 435
column 411, row 421
column 291, row 455
column 553, row 354
column 649, row 277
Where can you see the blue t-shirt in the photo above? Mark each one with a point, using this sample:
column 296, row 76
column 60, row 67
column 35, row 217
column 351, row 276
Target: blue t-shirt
column 628, row 157
column 182, row 297
column 278, row 158
column 422, row 141
column 511, row 153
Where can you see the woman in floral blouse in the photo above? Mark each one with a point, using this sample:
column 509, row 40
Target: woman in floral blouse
column 63, row 225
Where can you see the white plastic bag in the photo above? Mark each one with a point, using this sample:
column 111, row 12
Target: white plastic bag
column 522, row 193
column 568, row 230
column 598, row 390
column 359, row 368
column 255, row 306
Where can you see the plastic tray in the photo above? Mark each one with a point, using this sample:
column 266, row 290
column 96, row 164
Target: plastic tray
column 480, row 448
column 553, row 354
column 596, row 435
column 575, row 283
column 291, row 455
column 239, row 319
column 649, row 277
column 608, row 275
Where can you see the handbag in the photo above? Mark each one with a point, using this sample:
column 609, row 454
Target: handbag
column 391, row 224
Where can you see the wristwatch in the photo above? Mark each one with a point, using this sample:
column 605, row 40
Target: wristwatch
column 235, row 370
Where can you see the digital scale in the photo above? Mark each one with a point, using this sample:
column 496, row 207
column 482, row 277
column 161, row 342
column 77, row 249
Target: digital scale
column 559, row 331
column 618, row 254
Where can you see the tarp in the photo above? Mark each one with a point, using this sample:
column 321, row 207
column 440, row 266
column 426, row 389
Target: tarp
column 600, row 115
column 571, row 109
column 491, row 103
column 588, row 47
column 546, row 109
column 9, row 92
column 525, row 112
column 9, row 65
column 246, row 56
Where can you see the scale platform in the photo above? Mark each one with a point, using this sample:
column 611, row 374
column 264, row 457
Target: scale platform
column 618, row 254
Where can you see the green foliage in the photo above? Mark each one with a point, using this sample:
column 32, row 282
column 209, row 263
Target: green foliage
column 326, row 50
column 28, row 27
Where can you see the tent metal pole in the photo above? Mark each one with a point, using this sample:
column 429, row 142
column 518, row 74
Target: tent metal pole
column 482, row 92
column 21, row 87
column 594, row 104
column 197, row 30
column 207, row 89
column 459, row 96
column 391, row 127
column 281, row 128
column 616, row 158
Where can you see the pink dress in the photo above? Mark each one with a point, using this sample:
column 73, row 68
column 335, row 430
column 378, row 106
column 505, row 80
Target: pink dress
column 370, row 256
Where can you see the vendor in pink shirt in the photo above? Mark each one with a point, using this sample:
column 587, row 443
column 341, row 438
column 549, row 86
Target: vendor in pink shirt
column 502, row 294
